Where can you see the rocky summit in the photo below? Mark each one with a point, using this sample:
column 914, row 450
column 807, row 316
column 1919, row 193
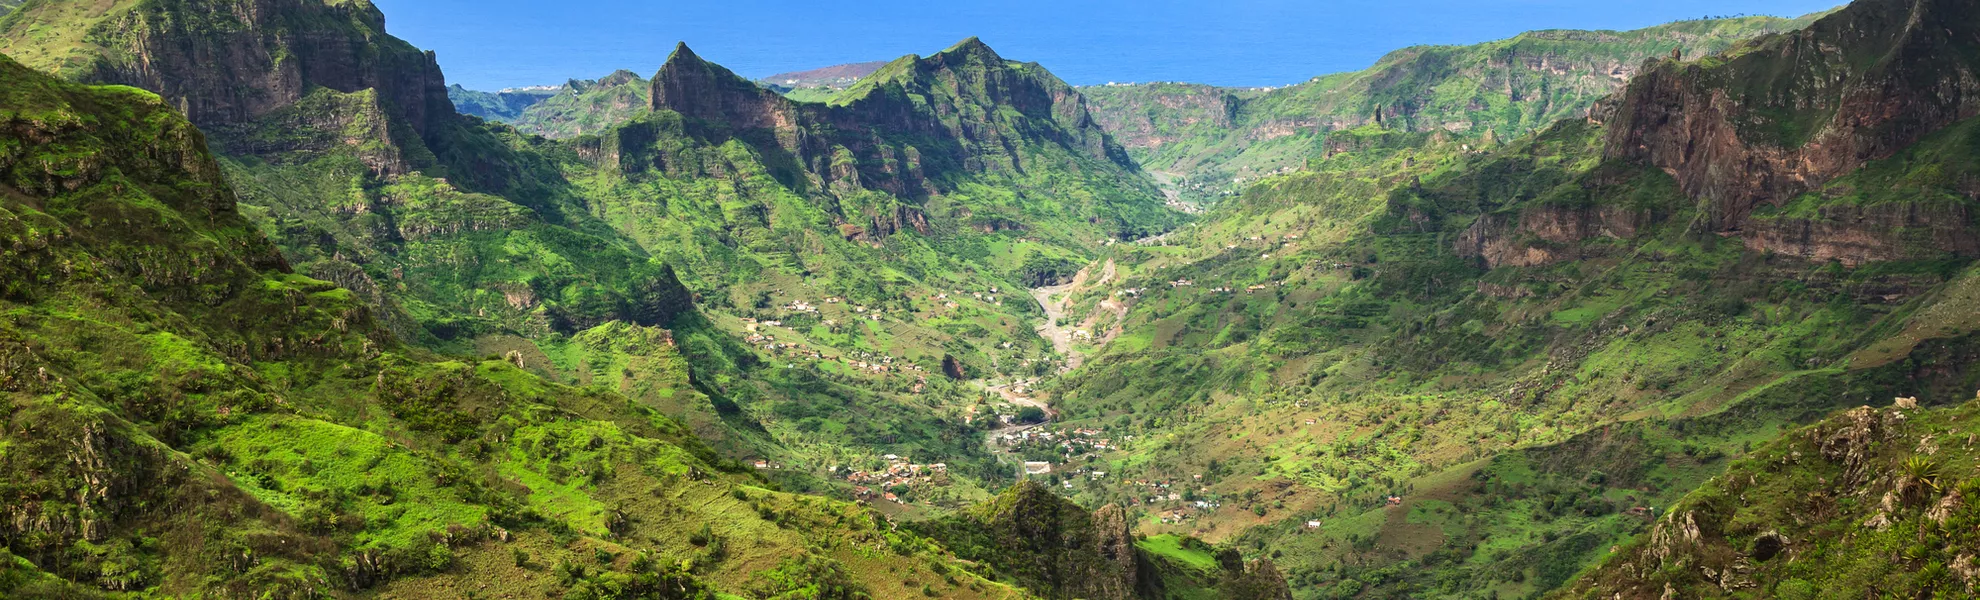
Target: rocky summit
column 1685, row 311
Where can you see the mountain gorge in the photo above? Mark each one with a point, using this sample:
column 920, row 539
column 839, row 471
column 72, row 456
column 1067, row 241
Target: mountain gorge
column 1572, row 314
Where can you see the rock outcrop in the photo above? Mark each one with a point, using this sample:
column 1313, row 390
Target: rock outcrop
column 913, row 129
column 1769, row 141
column 1058, row 550
column 1546, row 234
column 227, row 62
column 1783, row 115
column 1048, row 544
column 1840, row 492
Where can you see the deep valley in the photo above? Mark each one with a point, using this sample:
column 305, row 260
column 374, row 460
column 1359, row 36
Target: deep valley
column 1688, row 311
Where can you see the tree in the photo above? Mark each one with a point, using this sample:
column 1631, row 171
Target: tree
column 1031, row 414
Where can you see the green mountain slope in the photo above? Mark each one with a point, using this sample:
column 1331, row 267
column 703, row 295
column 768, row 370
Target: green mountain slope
column 473, row 239
column 1418, row 369
column 589, row 106
column 505, row 106
column 575, row 108
column 1220, row 139
column 1869, row 501
column 470, row 238
column 902, row 243
column 188, row 418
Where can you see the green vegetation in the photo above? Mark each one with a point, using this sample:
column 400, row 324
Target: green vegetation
column 505, row 106
column 590, row 106
column 692, row 337
column 1219, row 141
column 176, row 376
column 1871, row 499
column 1432, row 365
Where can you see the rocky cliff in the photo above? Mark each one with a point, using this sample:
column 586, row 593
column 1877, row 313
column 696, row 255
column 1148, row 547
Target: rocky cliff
column 344, row 137
column 1048, row 544
column 918, row 126
column 1058, row 550
column 1847, row 141
column 1785, row 114
column 227, row 62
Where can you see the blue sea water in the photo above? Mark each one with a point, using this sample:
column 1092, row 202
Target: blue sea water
column 493, row 44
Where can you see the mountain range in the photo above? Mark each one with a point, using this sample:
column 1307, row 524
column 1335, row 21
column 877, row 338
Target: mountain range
column 1572, row 314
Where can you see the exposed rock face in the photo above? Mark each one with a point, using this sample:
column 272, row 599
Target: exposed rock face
column 1259, row 580
column 1053, row 547
column 953, row 368
column 909, row 126
column 1546, row 234
column 699, row 89
column 226, row 62
column 1850, row 438
column 1774, row 122
column 1858, row 234
column 1794, row 110
column 323, row 122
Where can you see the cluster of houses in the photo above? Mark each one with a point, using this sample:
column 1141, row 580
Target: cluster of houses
column 1075, row 442
column 861, row 361
column 1227, row 290
column 949, row 302
column 1186, row 511
column 899, row 472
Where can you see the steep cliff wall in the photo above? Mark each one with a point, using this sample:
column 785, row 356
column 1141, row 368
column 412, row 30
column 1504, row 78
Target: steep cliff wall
column 1787, row 113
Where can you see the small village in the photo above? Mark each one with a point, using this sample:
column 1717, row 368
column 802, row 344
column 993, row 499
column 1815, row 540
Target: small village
column 900, row 475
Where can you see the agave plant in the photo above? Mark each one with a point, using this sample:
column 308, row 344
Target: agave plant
column 1922, row 471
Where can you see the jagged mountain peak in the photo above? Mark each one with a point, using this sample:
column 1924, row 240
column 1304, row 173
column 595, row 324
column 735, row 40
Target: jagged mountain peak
column 972, row 47
column 699, row 89
column 619, row 77
column 682, row 53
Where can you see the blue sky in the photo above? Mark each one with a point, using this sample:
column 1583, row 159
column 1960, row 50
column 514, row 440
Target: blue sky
column 490, row 44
